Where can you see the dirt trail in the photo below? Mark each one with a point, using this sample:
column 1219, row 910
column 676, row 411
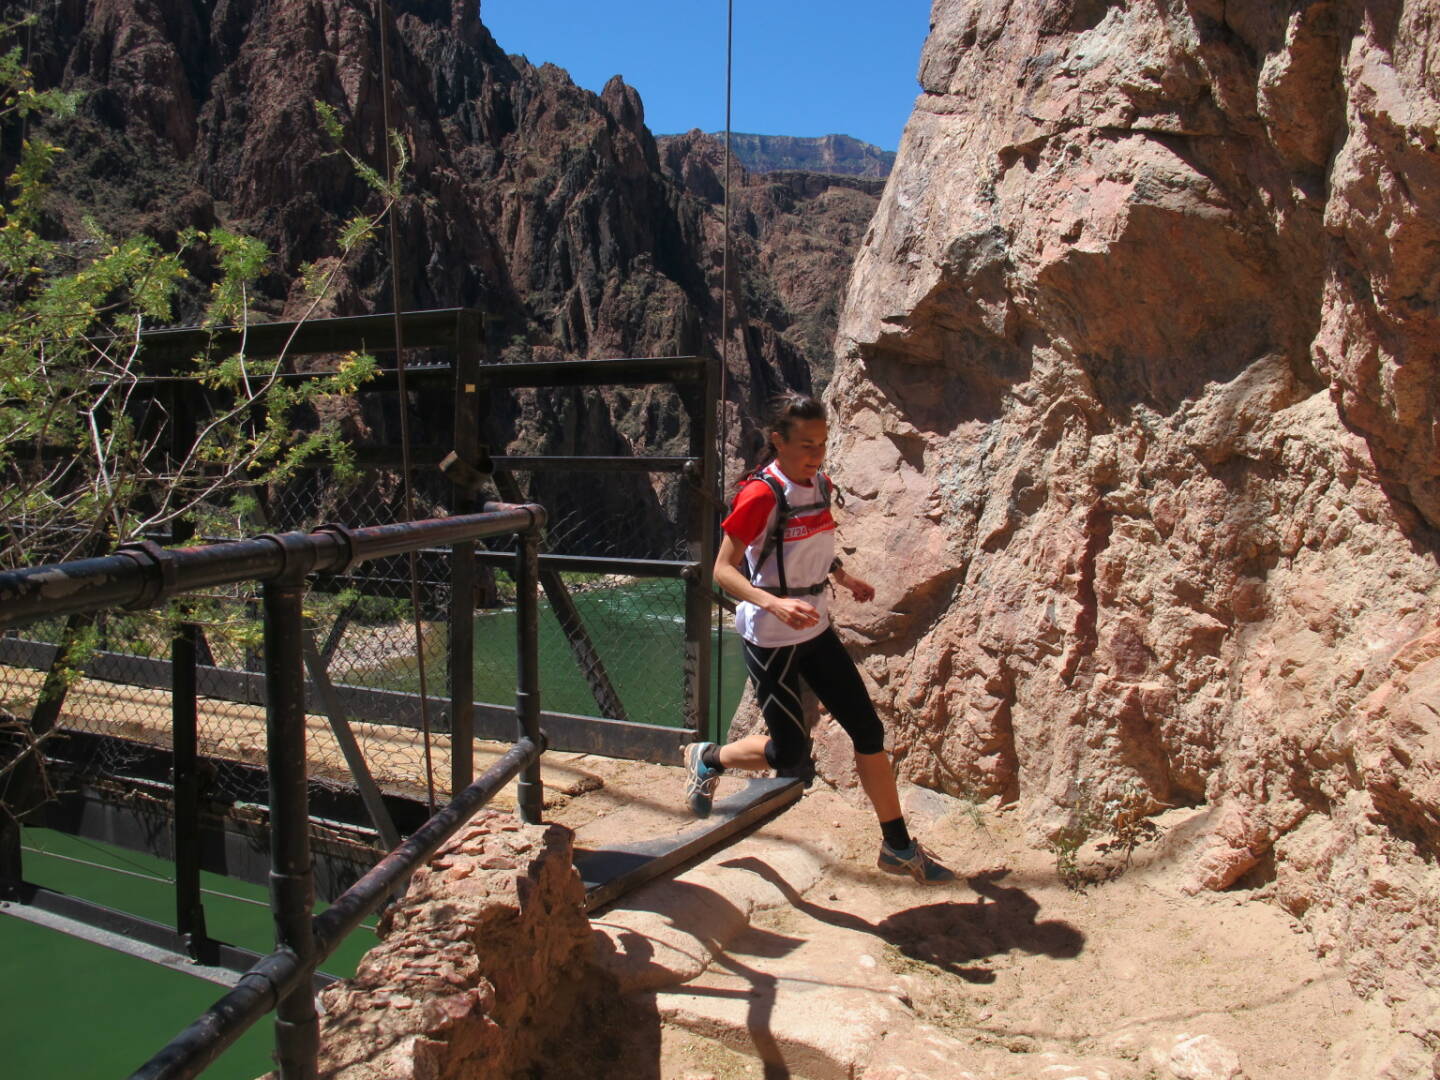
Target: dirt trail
column 788, row 954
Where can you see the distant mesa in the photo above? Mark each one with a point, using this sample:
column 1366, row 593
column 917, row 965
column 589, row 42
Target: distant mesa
column 838, row 155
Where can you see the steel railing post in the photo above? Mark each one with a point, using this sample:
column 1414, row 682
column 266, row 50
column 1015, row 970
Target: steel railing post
column 185, row 786
column 469, row 335
column 702, row 402
column 12, row 859
column 184, row 711
column 292, row 884
column 530, row 794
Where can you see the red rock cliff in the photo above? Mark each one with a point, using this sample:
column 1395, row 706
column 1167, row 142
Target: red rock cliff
column 1138, row 386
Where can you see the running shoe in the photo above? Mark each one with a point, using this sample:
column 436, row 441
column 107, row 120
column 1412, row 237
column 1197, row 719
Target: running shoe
column 915, row 861
column 700, row 779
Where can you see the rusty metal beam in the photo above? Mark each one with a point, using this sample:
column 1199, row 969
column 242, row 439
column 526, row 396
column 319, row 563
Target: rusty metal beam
column 143, row 575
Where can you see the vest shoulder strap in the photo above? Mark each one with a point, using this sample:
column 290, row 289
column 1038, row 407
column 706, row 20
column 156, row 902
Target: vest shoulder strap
column 770, row 480
column 774, row 541
column 784, row 512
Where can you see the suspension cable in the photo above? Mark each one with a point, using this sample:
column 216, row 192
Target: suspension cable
column 91, row 864
column 723, row 429
column 383, row 24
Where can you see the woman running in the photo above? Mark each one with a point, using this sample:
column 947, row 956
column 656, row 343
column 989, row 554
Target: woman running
column 776, row 557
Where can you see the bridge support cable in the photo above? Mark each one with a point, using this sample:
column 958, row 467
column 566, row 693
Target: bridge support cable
column 722, row 431
column 349, row 747
column 384, row 23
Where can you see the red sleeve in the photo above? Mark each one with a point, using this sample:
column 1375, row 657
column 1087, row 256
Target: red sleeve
column 750, row 514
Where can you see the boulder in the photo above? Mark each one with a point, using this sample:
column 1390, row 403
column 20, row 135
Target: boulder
column 480, row 966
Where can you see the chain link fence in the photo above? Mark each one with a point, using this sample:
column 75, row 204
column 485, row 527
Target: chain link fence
column 365, row 634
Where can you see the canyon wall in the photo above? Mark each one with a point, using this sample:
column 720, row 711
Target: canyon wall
column 1138, row 383
column 550, row 207
column 837, row 154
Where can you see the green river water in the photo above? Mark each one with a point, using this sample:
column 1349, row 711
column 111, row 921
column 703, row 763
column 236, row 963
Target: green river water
column 638, row 630
column 75, row 1011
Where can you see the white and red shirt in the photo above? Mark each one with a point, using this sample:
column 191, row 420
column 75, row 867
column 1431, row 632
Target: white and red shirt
column 809, row 550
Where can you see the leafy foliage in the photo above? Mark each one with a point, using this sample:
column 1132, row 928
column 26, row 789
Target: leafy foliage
column 1119, row 815
column 90, row 453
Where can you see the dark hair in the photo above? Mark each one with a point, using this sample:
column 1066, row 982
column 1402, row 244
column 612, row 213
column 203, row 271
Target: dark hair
column 785, row 410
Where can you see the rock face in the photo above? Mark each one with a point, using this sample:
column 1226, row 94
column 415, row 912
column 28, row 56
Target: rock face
column 539, row 202
column 839, row 155
column 479, row 967
column 1138, row 384
column 798, row 230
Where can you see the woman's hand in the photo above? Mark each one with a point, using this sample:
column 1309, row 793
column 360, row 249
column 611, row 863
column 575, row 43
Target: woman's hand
column 793, row 611
column 859, row 588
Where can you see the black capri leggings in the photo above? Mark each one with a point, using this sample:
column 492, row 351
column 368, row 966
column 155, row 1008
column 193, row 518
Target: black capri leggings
column 828, row 670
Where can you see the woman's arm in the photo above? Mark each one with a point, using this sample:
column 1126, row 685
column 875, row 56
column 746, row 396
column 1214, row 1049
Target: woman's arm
column 859, row 588
column 791, row 610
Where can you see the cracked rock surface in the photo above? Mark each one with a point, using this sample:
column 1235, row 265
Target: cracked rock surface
column 1136, row 409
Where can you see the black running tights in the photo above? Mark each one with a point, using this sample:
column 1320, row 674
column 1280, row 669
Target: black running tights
column 828, row 670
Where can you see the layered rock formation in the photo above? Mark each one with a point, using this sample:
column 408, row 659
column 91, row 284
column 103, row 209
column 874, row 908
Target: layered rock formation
column 840, row 155
column 526, row 196
column 481, row 970
column 1138, row 384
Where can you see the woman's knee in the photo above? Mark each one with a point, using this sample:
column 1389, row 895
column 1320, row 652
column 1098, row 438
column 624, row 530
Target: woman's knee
column 867, row 733
column 784, row 756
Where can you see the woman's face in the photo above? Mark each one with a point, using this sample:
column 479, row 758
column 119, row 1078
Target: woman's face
column 800, row 450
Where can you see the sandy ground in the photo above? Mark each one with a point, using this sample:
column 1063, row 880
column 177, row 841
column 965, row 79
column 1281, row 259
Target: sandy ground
column 788, row 954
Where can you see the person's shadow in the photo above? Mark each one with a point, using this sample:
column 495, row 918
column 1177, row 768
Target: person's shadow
column 953, row 936
column 638, row 1046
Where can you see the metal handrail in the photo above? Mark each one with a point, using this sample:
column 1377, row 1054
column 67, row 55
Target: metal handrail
column 143, row 575
column 281, row 972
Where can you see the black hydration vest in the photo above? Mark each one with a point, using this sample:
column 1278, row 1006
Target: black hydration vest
column 775, row 540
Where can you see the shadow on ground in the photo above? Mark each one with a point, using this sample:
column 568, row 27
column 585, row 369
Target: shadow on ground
column 954, row 936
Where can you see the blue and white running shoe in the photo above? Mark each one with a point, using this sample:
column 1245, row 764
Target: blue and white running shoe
column 700, row 779
column 915, row 861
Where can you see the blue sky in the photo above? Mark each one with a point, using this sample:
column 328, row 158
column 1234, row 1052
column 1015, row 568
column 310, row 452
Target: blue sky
column 802, row 67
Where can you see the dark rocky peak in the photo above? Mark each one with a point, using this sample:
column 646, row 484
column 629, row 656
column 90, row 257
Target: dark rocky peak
column 624, row 104
column 696, row 161
column 526, row 195
column 466, row 69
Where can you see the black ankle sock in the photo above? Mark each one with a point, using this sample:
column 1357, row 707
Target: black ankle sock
column 710, row 758
column 895, row 833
